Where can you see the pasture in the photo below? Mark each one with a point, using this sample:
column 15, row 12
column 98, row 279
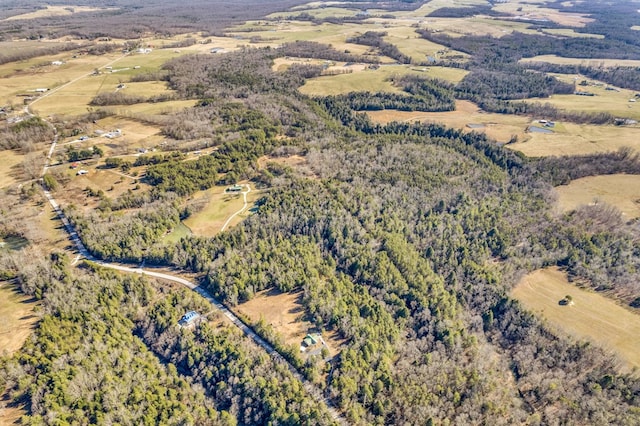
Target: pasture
column 561, row 60
column 18, row 318
column 10, row 167
column 620, row 190
column 578, row 139
column 497, row 126
column 284, row 312
column 606, row 98
column 592, row 316
column 370, row 80
column 219, row 206
column 51, row 11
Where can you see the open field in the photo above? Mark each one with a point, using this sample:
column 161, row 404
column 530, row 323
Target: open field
column 410, row 43
column 10, row 161
column 374, row 80
column 285, row 313
column 566, row 32
column 621, row 191
column 220, row 205
column 50, row 11
column 530, row 11
column 47, row 76
column 497, row 126
column 561, row 60
column 18, row 318
column 578, row 139
column 592, row 317
column 615, row 101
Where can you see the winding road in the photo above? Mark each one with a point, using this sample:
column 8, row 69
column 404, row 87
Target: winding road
column 311, row 389
column 244, row 194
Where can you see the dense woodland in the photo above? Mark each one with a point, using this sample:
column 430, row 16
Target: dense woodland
column 405, row 239
column 406, row 244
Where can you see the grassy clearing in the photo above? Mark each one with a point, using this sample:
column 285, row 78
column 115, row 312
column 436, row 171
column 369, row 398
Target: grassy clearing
column 319, row 11
column 285, row 313
column 621, row 191
column 562, row 60
column 10, row 161
column 18, row 318
column 51, row 11
column 578, row 139
column 411, row 44
column 31, row 77
column 497, row 126
column 220, row 205
column 110, row 181
column 593, row 317
column 615, row 101
column 531, row 10
column 367, row 80
column 180, row 231
column 568, row 32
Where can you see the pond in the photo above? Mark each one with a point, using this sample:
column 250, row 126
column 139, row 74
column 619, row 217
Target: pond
column 535, row 129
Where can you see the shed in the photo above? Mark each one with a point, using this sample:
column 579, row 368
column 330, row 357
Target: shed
column 189, row 318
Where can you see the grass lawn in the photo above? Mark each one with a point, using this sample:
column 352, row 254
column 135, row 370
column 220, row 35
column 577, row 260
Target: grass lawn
column 180, row 231
column 220, row 205
column 621, row 191
column 592, row 317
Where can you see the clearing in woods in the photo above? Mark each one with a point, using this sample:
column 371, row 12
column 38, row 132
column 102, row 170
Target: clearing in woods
column 369, row 80
column 621, row 191
column 498, row 126
column 18, row 318
column 561, row 60
column 219, row 206
column 10, row 167
column 592, row 316
column 284, row 312
column 578, row 139
column 50, row 11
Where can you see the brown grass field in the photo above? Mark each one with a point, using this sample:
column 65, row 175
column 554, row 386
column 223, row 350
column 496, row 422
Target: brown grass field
column 285, row 313
column 10, row 162
column 578, row 139
column 592, row 317
column 18, row 318
column 374, row 80
column 621, row 191
column 50, row 11
column 553, row 59
column 615, row 101
column 497, row 126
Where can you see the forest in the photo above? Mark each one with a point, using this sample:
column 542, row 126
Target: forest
column 406, row 244
column 403, row 239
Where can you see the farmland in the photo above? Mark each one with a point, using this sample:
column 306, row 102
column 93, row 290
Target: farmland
column 402, row 244
column 621, row 191
column 592, row 316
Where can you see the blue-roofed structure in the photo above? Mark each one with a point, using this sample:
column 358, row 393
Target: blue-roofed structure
column 189, row 318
